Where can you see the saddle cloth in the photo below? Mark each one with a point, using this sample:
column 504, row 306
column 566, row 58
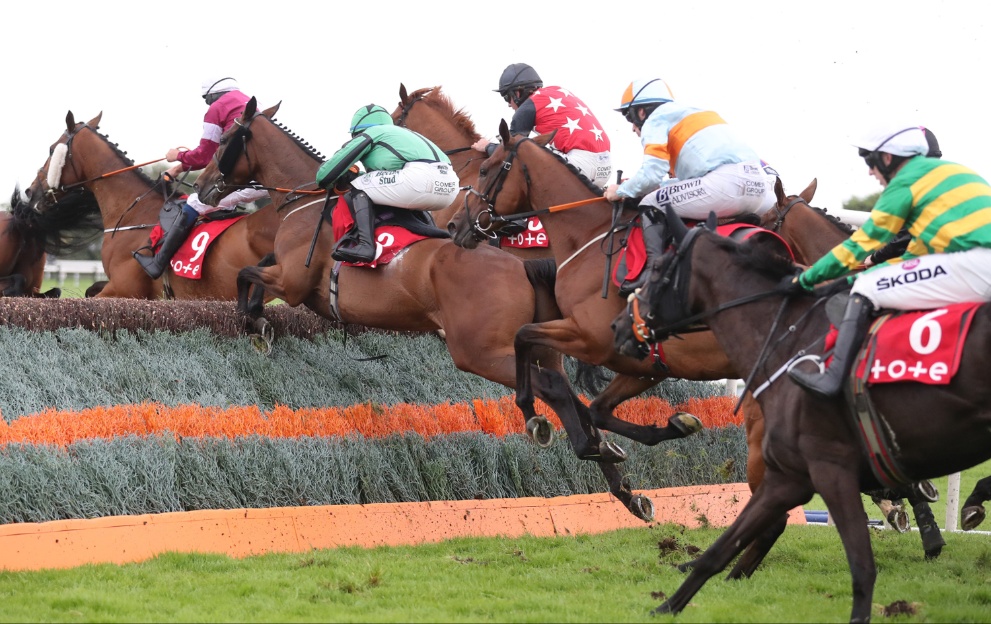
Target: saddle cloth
column 532, row 236
column 188, row 260
column 921, row 346
column 392, row 230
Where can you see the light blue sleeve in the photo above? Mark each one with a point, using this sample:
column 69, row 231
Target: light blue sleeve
column 652, row 173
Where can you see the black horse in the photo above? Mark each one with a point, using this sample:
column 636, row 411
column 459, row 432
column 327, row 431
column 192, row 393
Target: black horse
column 810, row 445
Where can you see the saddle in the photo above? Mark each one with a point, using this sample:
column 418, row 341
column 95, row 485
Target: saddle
column 418, row 222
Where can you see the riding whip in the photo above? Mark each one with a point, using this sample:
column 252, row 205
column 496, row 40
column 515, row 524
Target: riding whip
column 316, row 230
column 616, row 207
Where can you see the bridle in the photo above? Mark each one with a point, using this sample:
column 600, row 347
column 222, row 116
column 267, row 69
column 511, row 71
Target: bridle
column 783, row 212
column 237, row 145
column 491, row 192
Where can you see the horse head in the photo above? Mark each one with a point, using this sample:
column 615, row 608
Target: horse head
column 500, row 191
column 810, row 231
column 232, row 166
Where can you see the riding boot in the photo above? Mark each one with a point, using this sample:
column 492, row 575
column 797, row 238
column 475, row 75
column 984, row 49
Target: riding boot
column 360, row 245
column 856, row 320
column 654, row 241
column 175, row 235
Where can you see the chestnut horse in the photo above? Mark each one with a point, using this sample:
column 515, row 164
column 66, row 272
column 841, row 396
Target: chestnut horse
column 811, row 445
column 478, row 298
column 129, row 202
column 522, row 174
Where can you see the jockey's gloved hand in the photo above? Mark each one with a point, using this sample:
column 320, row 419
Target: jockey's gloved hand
column 790, row 286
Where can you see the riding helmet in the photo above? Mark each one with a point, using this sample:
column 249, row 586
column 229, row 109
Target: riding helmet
column 368, row 116
column 518, row 76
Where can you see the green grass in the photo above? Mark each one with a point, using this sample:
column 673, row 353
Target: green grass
column 607, row 578
column 69, row 288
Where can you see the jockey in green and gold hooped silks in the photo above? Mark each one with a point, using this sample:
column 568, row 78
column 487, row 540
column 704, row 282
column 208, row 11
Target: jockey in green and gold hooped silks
column 945, row 207
column 402, row 169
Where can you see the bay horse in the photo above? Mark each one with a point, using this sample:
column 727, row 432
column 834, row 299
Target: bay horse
column 129, row 202
column 431, row 113
column 521, row 174
column 478, row 298
column 810, row 445
column 812, row 233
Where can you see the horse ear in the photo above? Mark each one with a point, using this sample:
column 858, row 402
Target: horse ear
column 779, row 191
column 403, row 96
column 712, row 221
column 95, row 122
column 809, row 191
column 270, row 112
column 544, row 139
column 70, row 122
column 250, row 108
column 504, row 132
column 676, row 226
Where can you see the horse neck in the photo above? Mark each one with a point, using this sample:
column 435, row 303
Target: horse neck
column 116, row 193
column 810, row 233
column 716, row 279
column 279, row 162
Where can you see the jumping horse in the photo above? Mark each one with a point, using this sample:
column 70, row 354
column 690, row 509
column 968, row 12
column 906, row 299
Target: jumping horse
column 130, row 202
column 810, row 445
column 521, row 174
column 431, row 113
column 478, row 298
column 812, row 232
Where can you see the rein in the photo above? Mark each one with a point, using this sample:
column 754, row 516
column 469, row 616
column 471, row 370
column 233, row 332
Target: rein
column 107, row 175
column 784, row 212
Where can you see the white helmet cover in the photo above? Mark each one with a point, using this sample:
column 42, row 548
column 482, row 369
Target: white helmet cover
column 217, row 85
column 895, row 139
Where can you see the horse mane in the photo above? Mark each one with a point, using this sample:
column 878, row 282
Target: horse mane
column 434, row 97
column 309, row 149
column 756, row 257
column 71, row 226
column 123, row 155
column 842, row 225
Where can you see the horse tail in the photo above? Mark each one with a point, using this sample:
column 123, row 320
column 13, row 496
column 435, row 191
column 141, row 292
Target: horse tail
column 542, row 274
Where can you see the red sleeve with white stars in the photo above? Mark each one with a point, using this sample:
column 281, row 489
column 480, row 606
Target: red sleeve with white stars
column 577, row 128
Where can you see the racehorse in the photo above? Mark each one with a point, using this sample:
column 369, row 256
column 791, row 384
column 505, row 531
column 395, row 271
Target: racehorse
column 431, row 113
column 129, row 202
column 810, row 445
column 522, row 174
column 478, row 298
column 812, row 233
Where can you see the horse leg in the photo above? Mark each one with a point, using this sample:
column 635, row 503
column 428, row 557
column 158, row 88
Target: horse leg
column 973, row 508
column 255, row 301
column 838, row 484
column 623, row 387
column 932, row 539
column 773, row 499
column 14, row 285
column 892, row 508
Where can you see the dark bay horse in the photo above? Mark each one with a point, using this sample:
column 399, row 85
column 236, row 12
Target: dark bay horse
column 431, row 113
column 478, row 298
column 810, row 445
column 129, row 202
column 522, row 175
column 812, row 232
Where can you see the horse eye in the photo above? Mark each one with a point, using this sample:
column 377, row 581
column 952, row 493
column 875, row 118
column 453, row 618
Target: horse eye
column 483, row 172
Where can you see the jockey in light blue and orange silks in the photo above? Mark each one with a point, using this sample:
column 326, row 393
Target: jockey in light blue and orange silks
column 692, row 162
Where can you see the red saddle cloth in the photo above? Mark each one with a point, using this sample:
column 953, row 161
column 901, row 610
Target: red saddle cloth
column 635, row 253
column 923, row 346
column 533, row 236
column 389, row 239
column 188, row 260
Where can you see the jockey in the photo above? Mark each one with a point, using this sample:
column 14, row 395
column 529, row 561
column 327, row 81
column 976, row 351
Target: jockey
column 225, row 103
column 899, row 243
column 692, row 162
column 947, row 209
column 580, row 138
column 403, row 170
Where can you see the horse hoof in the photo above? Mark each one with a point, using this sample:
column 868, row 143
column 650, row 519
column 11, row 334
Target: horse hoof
column 898, row 519
column 540, row 431
column 611, row 453
column 933, row 553
column 927, row 491
column 642, row 507
column 973, row 516
column 663, row 609
column 686, row 423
